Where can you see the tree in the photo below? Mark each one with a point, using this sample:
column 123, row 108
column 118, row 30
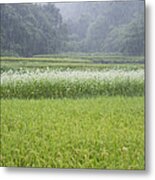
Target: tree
column 28, row 29
column 127, row 39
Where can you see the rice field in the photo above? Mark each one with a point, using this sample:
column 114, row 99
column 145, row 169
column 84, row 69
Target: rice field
column 72, row 114
column 103, row 132
column 32, row 66
column 77, row 58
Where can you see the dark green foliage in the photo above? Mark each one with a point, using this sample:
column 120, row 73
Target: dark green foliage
column 127, row 39
column 28, row 29
column 116, row 27
column 47, row 28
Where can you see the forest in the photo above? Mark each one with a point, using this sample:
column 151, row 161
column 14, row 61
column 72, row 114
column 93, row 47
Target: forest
column 55, row 28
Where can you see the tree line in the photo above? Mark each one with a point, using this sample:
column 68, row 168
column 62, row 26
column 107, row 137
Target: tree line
column 28, row 29
column 48, row 28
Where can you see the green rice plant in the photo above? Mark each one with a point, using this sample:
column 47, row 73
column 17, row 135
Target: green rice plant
column 103, row 132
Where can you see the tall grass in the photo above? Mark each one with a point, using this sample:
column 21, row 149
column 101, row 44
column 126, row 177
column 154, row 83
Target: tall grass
column 71, row 83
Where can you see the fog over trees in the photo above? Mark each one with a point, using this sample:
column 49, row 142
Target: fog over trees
column 51, row 28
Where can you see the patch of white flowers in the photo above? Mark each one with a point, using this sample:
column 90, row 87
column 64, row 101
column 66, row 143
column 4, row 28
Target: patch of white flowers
column 70, row 75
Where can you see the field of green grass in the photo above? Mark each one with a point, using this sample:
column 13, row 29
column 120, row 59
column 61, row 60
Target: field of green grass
column 72, row 111
column 18, row 65
column 72, row 61
column 103, row 132
column 87, row 59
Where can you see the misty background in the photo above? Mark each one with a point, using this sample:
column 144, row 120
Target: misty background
column 81, row 27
